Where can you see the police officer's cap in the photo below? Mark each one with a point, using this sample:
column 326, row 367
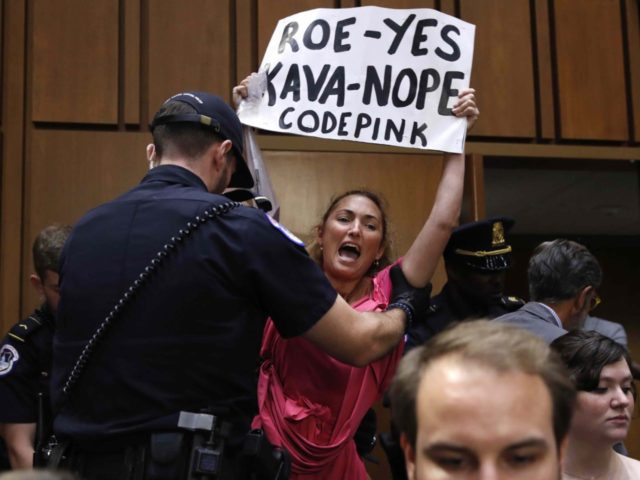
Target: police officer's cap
column 481, row 246
column 213, row 112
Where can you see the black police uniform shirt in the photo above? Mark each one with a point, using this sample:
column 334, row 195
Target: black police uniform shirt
column 190, row 337
column 25, row 364
column 447, row 308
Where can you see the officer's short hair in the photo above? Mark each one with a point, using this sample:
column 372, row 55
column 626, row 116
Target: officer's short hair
column 497, row 346
column 560, row 269
column 188, row 138
column 47, row 248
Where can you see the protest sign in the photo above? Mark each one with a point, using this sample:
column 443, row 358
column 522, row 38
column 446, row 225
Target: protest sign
column 367, row 74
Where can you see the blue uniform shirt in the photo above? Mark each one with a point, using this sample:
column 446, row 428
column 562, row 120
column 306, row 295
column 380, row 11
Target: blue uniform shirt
column 190, row 338
column 25, row 363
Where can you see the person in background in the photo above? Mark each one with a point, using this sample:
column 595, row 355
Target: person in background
column 482, row 401
column 476, row 258
column 25, row 352
column 600, row 370
column 615, row 331
column 563, row 281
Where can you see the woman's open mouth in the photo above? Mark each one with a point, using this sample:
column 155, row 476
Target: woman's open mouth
column 349, row 251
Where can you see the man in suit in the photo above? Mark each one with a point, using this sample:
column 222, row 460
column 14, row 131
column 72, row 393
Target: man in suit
column 615, row 331
column 563, row 279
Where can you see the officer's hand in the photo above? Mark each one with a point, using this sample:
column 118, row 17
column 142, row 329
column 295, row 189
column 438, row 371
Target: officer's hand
column 414, row 301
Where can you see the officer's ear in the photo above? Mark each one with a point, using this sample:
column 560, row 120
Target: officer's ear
column 151, row 155
column 36, row 283
column 218, row 154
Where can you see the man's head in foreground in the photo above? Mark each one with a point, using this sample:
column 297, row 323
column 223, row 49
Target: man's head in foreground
column 485, row 401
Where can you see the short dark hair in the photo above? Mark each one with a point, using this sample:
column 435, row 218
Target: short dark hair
column 188, row 138
column 378, row 200
column 560, row 269
column 47, row 248
column 586, row 353
column 501, row 347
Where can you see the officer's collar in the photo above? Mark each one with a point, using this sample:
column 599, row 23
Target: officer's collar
column 174, row 174
column 461, row 305
column 46, row 313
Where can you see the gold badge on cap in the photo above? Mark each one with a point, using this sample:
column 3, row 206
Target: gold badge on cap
column 498, row 234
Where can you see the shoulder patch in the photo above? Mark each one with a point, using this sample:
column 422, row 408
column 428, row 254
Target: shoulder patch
column 8, row 356
column 285, row 232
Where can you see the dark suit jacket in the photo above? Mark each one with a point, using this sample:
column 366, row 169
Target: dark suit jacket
column 536, row 318
column 613, row 330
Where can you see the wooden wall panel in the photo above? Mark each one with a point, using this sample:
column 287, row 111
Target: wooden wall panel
column 11, row 167
column 400, row 3
column 190, row 48
column 91, row 168
column 590, row 66
column 75, row 61
column 448, row 7
column 131, row 52
column 2, row 29
column 545, row 74
column 270, row 11
column 502, row 67
column 633, row 42
column 246, row 39
column 473, row 203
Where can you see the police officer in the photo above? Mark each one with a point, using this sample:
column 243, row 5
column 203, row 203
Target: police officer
column 164, row 295
column 25, row 353
column 476, row 260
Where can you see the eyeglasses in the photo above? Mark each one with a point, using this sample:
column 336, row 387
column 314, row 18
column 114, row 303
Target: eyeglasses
column 595, row 301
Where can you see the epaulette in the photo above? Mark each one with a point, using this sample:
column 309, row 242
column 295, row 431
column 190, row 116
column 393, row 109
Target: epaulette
column 21, row 330
column 512, row 303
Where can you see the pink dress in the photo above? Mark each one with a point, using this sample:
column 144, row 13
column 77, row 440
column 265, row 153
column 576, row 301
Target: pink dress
column 311, row 404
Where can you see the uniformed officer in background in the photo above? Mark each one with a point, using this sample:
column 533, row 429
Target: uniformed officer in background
column 476, row 259
column 25, row 354
column 164, row 295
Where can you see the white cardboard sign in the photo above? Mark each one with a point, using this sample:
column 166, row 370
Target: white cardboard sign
column 366, row 74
